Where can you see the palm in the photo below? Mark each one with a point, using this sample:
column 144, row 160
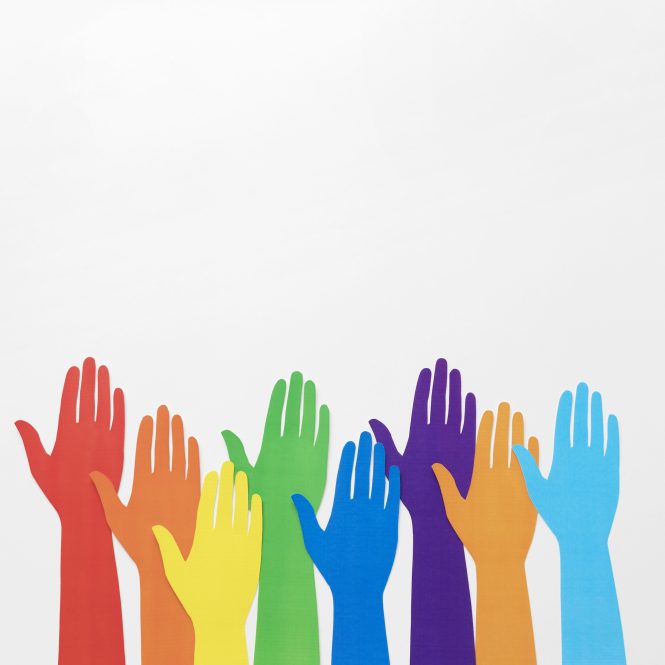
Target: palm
column 578, row 474
column 428, row 445
column 285, row 467
column 501, row 516
column 351, row 530
column 215, row 585
column 80, row 448
column 172, row 504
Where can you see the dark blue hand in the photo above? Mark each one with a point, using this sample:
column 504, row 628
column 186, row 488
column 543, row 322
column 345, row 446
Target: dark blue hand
column 355, row 552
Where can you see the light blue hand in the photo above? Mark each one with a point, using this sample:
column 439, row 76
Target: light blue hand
column 578, row 502
column 356, row 551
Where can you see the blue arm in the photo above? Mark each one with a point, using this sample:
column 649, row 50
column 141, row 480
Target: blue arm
column 578, row 502
column 355, row 552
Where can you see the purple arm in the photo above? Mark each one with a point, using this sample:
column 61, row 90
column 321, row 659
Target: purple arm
column 441, row 617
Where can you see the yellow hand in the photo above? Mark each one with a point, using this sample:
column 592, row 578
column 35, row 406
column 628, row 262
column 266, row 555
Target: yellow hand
column 217, row 582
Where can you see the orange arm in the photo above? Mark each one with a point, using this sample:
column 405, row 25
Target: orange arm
column 496, row 523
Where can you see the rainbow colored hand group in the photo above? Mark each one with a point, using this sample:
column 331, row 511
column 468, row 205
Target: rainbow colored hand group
column 202, row 552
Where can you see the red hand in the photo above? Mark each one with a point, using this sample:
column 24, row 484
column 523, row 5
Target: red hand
column 90, row 612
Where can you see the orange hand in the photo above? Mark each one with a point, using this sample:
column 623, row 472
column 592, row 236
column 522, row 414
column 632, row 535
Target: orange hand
column 166, row 495
column 496, row 523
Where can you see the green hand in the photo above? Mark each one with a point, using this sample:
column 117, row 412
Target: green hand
column 293, row 460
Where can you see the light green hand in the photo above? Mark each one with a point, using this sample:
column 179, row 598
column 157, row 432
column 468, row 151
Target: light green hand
column 293, row 460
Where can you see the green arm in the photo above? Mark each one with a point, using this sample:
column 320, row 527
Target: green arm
column 293, row 460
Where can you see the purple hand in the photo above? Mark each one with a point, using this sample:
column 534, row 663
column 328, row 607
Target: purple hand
column 441, row 618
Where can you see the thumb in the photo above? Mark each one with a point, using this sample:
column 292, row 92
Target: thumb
column 452, row 499
column 113, row 507
column 312, row 533
column 382, row 435
column 38, row 458
column 535, row 483
column 237, row 453
column 174, row 564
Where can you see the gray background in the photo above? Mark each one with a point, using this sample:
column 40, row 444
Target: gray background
column 206, row 196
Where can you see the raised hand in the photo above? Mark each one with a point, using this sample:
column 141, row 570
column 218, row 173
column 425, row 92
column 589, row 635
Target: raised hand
column 167, row 495
column 90, row 440
column 293, row 456
column 578, row 502
column 356, row 551
column 293, row 460
column 441, row 617
column 496, row 523
column 217, row 582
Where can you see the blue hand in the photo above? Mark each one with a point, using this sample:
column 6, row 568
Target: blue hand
column 356, row 551
column 578, row 502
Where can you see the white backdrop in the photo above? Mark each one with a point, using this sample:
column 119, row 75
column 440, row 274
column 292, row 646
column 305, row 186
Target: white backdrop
column 205, row 196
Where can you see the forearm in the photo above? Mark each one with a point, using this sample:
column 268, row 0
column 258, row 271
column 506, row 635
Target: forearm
column 287, row 631
column 590, row 619
column 504, row 629
column 359, row 632
column 167, row 634
column 90, row 612
column 441, row 616
column 220, row 644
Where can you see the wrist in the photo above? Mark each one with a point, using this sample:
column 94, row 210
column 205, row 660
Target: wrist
column 435, row 542
column 162, row 611
column 497, row 581
column 282, row 533
column 359, row 629
column 358, row 602
column 158, row 598
column 579, row 548
column 434, row 528
column 223, row 643
column 499, row 569
column 89, row 544
column 86, row 525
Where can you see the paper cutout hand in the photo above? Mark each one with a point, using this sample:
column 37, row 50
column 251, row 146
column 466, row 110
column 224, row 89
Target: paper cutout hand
column 217, row 582
column 578, row 501
column 356, row 551
column 496, row 523
column 293, row 459
column 437, row 435
column 167, row 495
column 89, row 442
column 497, row 519
column 90, row 612
column 441, row 615
column 579, row 498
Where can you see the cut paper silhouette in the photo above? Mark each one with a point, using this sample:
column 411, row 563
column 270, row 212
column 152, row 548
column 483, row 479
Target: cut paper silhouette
column 496, row 523
column 167, row 495
column 441, row 616
column 293, row 459
column 90, row 612
column 356, row 551
column 217, row 582
column 578, row 501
